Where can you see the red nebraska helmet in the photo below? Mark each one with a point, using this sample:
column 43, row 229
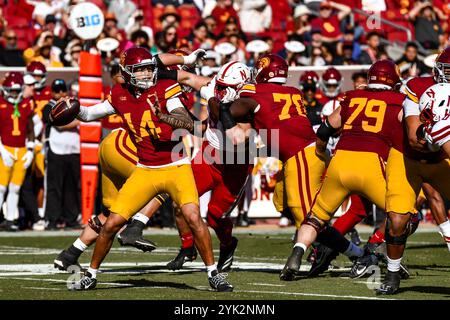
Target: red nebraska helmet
column 13, row 87
column 331, row 82
column 383, row 74
column 441, row 68
column 138, row 59
column 270, row 68
column 36, row 68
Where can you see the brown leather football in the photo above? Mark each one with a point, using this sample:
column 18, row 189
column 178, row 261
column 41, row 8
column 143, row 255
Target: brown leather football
column 64, row 112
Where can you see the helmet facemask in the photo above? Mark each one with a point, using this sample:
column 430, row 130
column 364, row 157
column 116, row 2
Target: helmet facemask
column 442, row 72
column 39, row 84
column 13, row 95
column 142, row 81
column 326, row 88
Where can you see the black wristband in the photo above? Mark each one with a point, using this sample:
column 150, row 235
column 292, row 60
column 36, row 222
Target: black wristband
column 325, row 131
column 225, row 116
column 420, row 132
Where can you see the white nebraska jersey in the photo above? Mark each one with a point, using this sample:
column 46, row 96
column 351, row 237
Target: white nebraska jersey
column 440, row 132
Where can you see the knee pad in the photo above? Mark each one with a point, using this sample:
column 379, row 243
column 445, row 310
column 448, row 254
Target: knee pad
column 315, row 222
column 395, row 240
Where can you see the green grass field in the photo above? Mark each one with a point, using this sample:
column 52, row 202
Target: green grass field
column 26, row 271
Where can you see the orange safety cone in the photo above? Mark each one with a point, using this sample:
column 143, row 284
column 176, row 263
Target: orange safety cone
column 90, row 93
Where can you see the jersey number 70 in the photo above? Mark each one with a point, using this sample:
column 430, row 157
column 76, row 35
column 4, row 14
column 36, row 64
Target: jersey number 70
column 288, row 100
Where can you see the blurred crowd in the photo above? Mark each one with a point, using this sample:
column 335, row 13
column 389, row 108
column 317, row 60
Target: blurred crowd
column 305, row 32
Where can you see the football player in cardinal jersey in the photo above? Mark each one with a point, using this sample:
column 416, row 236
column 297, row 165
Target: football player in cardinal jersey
column 16, row 143
column 213, row 173
column 160, row 168
column 369, row 122
column 331, row 85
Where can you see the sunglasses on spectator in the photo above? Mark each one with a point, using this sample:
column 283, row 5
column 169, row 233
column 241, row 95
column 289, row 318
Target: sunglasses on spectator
column 325, row 9
column 171, row 33
column 11, row 38
column 231, row 30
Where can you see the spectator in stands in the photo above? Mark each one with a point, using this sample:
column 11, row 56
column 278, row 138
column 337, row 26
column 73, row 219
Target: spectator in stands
column 302, row 22
column 44, row 51
column 426, row 19
column 222, row 12
column 123, row 9
column 328, row 22
column 10, row 55
column 255, row 16
column 233, row 34
column 46, row 7
column 137, row 22
column 176, row 3
column 140, row 39
column 199, row 35
column 370, row 54
column 211, row 24
column 329, row 56
column 72, row 55
column 167, row 39
column 359, row 80
column 347, row 53
column 410, row 62
column 170, row 17
column 58, row 32
column 62, row 202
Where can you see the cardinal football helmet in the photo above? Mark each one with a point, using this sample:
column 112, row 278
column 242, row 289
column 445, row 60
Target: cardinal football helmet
column 13, row 87
column 34, row 69
column 383, row 74
column 331, row 82
column 138, row 59
column 270, row 68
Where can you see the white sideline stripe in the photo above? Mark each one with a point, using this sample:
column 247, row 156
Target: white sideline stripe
column 39, row 288
column 313, row 294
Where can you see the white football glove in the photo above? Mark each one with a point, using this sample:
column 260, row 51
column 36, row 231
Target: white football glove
column 198, row 54
column 27, row 158
column 207, row 92
column 230, row 96
column 7, row 157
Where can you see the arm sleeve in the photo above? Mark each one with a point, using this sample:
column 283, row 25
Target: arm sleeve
column 410, row 108
column 38, row 125
column 167, row 74
column 173, row 103
column 159, row 63
column 97, row 111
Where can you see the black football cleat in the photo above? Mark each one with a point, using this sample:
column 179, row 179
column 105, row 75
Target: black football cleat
column 219, row 282
column 85, row 283
column 362, row 265
column 391, row 283
column 322, row 261
column 65, row 259
column 226, row 256
column 132, row 236
column 184, row 255
column 293, row 264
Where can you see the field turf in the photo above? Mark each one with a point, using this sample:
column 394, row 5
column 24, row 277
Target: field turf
column 26, row 271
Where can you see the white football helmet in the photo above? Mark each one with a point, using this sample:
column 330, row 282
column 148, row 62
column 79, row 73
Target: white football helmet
column 230, row 79
column 434, row 104
column 329, row 108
